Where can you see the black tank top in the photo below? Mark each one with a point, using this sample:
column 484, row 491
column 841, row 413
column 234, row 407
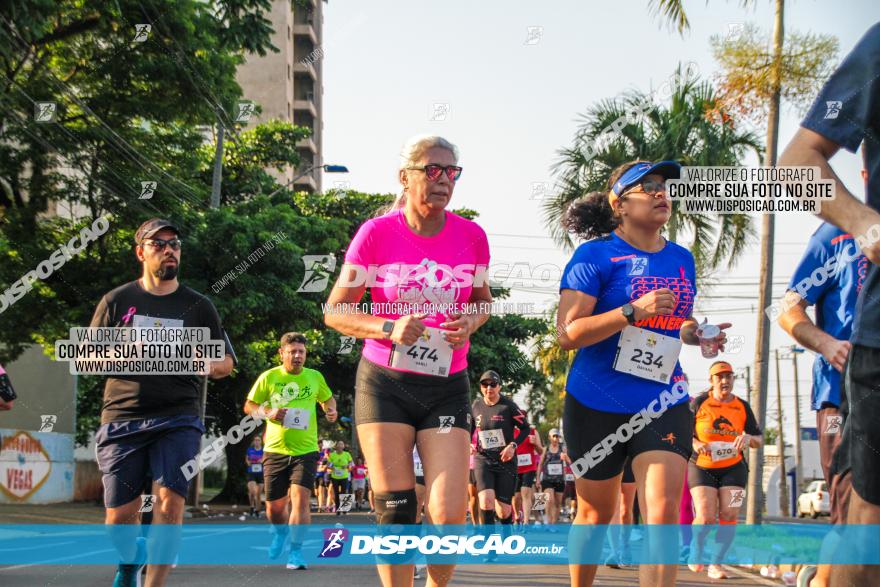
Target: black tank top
column 553, row 458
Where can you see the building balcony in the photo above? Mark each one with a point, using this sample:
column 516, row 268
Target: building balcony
column 306, row 68
column 305, row 29
column 306, row 106
column 306, row 183
column 307, row 144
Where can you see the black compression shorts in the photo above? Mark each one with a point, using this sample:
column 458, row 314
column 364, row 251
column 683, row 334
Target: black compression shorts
column 422, row 401
column 495, row 475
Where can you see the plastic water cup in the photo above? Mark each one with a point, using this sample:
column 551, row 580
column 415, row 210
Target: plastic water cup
column 707, row 334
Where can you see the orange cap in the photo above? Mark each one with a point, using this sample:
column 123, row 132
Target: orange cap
column 720, row 367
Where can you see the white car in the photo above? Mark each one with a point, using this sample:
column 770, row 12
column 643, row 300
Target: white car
column 814, row 501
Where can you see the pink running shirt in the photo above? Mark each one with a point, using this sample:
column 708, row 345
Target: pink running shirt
column 403, row 267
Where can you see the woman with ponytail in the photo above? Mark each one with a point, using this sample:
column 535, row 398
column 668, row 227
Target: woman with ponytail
column 429, row 295
column 625, row 306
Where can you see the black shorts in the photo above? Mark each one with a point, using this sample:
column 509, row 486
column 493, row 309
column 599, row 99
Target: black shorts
column 588, row 428
column 282, row 471
column 860, row 407
column 472, row 480
column 733, row 476
column 420, row 479
column 569, row 492
column 495, row 475
column 628, row 475
column 339, row 485
column 557, row 484
column 255, row 477
column 526, row 479
column 422, row 401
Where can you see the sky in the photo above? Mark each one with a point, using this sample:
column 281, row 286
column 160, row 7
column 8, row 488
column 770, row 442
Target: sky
column 506, row 81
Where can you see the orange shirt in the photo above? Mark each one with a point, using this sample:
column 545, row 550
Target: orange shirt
column 719, row 423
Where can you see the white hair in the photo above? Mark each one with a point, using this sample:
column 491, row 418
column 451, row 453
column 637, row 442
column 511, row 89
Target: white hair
column 413, row 151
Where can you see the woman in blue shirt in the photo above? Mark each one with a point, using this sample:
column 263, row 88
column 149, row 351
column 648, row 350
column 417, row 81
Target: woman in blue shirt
column 626, row 299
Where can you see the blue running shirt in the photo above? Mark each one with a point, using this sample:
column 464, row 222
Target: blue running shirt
column 616, row 273
column 834, row 297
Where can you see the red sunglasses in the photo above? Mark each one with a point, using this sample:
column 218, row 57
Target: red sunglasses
column 433, row 172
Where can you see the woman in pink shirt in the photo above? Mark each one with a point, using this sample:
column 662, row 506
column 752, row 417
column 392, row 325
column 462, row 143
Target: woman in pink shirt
column 426, row 270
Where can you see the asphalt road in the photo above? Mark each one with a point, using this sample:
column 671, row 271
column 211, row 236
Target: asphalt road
column 317, row 576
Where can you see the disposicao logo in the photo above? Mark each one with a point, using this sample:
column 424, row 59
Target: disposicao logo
column 334, row 540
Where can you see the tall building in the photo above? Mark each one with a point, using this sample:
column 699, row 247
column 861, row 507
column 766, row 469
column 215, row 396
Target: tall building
column 288, row 85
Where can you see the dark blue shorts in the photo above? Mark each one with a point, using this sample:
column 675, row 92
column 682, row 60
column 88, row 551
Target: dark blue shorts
column 130, row 452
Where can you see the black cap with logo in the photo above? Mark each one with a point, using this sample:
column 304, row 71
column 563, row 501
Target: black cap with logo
column 151, row 227
column 490, row 376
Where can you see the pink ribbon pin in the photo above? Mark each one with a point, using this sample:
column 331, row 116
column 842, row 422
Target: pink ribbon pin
column 128, row 315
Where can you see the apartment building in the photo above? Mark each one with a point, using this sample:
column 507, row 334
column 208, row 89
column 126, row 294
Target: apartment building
column 288, row 84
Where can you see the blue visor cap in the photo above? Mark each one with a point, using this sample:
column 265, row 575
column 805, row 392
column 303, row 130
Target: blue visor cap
column 633, row 175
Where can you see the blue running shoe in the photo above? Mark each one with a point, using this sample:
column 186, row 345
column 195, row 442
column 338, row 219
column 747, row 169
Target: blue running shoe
column 295, row 560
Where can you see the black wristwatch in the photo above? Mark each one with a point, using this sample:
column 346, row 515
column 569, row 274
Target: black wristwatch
column 388, row 328
column 629, row 313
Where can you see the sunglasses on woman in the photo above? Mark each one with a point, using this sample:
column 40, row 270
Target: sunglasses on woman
column 650, row 187
column 433, row 172
column 489, row 383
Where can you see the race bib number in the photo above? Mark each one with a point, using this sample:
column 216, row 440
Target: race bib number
column 430, row 355
column 569, row 476
column 491, row 438
column 419, row 469
column 721, row 451
column 296, row 418
column 554, row 469
column 141, row 321
column 647, row 354
column 340, row 472
column 523, row 460
column 257, row 468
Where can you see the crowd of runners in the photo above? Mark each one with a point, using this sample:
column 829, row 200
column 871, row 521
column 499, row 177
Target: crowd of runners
column 631, row 427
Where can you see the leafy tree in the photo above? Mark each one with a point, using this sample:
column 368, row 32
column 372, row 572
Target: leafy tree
column 745, row 80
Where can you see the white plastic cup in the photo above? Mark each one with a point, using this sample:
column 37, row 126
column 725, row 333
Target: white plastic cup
column 707, row 333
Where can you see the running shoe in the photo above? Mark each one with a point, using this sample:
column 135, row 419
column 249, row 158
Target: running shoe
column 295, row 560
column 716, row 572
column 696, row 568
column 613, row 561
column 128, row 576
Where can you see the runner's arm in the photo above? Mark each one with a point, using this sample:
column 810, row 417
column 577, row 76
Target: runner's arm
column 810, row 149
column 798, row 325
column 576, row 327
column 329, row 408
column 220, row 369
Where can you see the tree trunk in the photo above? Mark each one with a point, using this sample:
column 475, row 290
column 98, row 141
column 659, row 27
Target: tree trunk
column 754, row 507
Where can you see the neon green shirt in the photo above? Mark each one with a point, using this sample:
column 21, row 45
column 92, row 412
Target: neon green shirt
column 279, row 389
column 340, row 462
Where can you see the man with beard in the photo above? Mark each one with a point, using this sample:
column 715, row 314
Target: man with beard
column 151, row 424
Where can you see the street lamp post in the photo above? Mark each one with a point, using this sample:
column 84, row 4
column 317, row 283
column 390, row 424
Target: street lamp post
column 326, row 168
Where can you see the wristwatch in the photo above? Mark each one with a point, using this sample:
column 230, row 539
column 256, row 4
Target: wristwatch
column 387, row 328
column 629, row 313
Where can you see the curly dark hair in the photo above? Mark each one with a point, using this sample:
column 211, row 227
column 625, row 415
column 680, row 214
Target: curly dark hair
column 591, row 216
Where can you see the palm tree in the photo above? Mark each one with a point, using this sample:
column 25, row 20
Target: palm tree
column 693, row 129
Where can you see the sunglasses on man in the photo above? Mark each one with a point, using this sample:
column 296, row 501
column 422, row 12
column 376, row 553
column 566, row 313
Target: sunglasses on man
column 433, row 172
column 160, row 244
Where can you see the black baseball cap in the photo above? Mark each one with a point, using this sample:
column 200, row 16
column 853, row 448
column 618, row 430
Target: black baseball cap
column 151, row 227
column 490, row 375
